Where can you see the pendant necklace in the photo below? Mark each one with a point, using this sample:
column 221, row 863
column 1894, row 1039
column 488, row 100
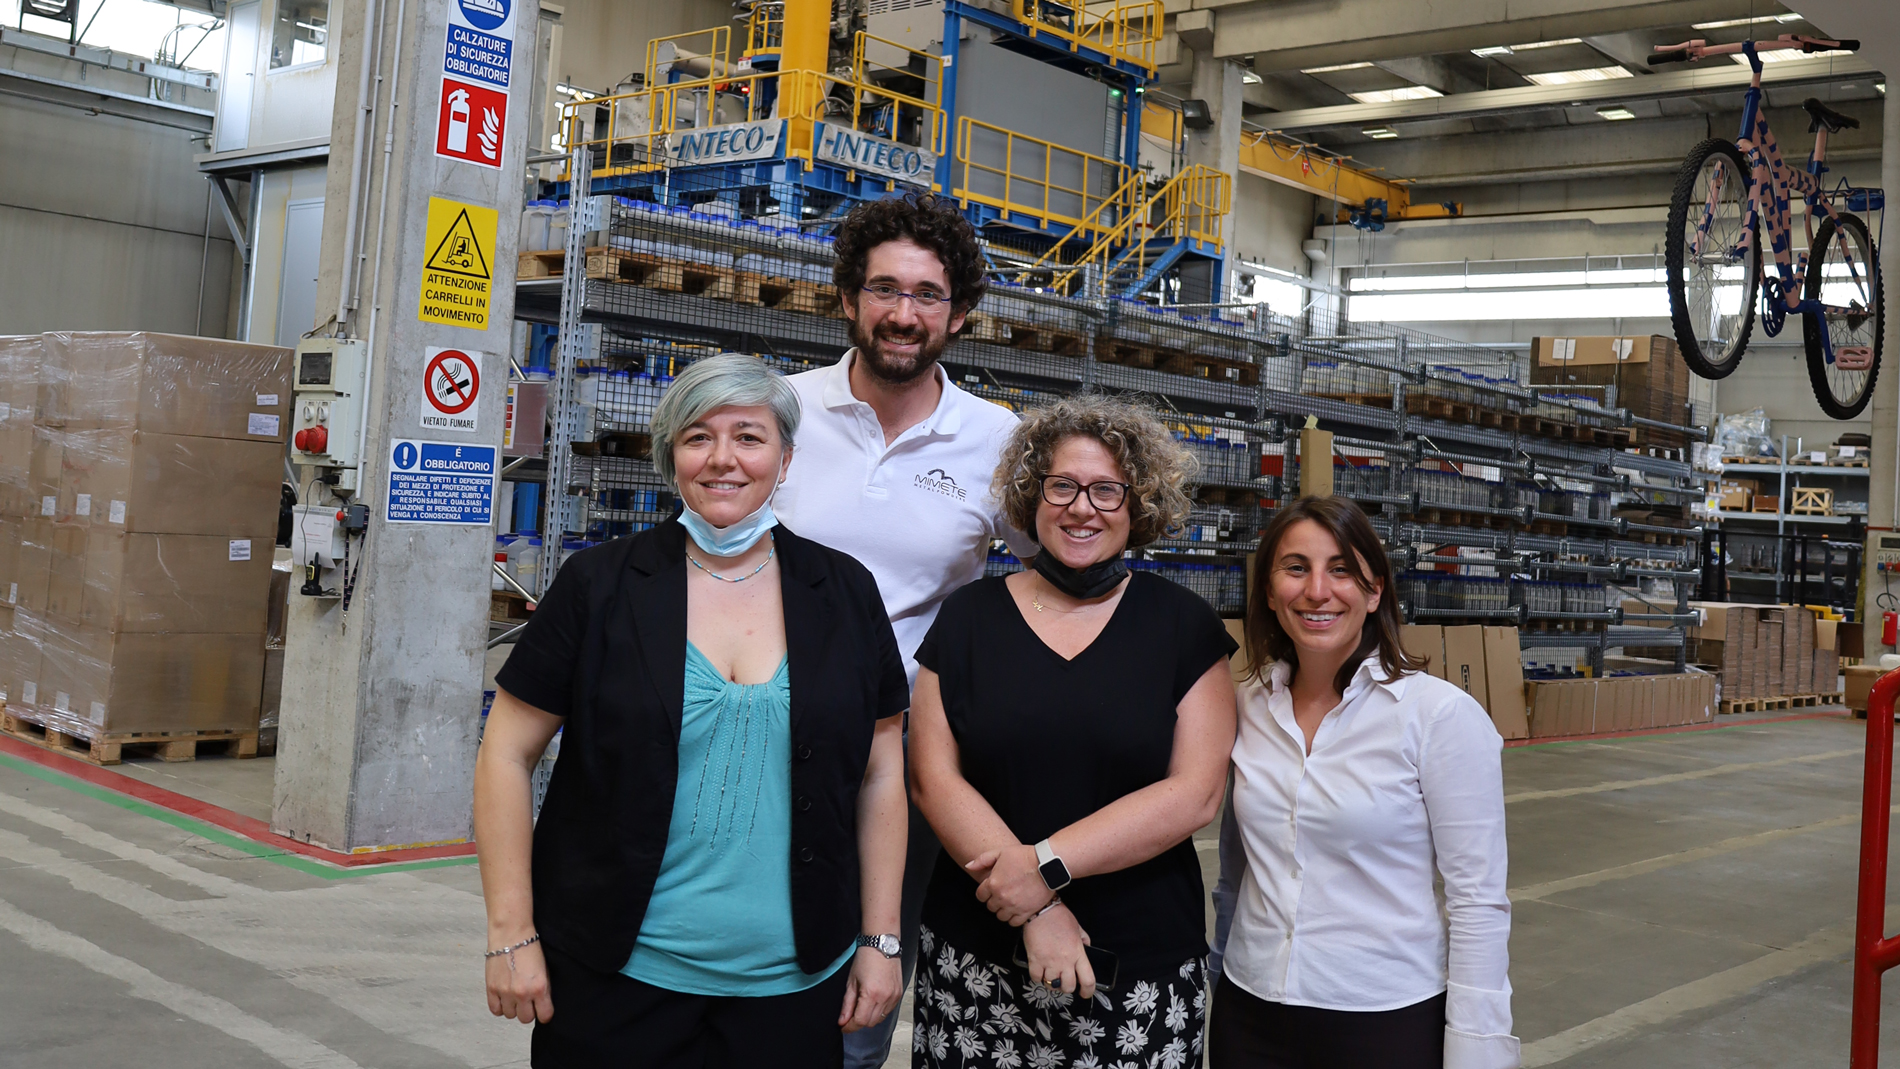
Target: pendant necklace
column 748, row 575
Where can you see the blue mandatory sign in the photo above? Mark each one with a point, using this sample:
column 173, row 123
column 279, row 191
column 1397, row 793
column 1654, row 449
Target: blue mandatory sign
column 477, row 56
column 484, row 14
column 441, row 482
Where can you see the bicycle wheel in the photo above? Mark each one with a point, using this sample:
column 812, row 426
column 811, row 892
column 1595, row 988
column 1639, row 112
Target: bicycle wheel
column 1846, row 275
column 1712, row 267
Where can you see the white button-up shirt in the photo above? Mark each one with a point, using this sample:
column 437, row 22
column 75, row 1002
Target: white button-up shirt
column 917, row 512
column 1328, row 859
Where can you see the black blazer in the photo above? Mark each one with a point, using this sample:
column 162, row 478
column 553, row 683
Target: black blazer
column 606, row 649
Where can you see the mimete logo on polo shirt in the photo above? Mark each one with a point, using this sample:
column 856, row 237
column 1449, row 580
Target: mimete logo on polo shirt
column 938, row 481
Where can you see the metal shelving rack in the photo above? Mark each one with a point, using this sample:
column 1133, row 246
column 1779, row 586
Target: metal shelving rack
column 1794, row 542
column 644, row 325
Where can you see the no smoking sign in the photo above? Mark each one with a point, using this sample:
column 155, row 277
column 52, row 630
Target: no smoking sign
column 451, row 381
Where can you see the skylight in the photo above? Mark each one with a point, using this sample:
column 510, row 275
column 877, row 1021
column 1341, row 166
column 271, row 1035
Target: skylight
column 1404, row 92
column 1586, row 74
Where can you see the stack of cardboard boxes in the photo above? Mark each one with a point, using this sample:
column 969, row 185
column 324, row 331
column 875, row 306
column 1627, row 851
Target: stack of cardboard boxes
column 1482, row 661
column 1647, row 372
column 1763, row 651
column 143, row 520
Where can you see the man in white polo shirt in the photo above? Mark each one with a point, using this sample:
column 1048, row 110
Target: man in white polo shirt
column 894, row 461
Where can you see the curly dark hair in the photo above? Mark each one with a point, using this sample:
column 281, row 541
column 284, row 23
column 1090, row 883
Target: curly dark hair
column 930, row 221
column 1160, row 469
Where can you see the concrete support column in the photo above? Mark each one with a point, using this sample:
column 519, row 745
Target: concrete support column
column 1883, row 503
column 1216, row 81
column 382, row 699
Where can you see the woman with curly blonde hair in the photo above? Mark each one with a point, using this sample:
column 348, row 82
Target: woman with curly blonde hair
column 1070, row 730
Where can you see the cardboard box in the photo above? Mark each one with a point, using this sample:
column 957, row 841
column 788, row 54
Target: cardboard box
column 1464, row 661
column 165, row 384
column 1427, row 641
column 1860, row 681
column 1647, row 372
column 102, row 682
column 19, row 661
column 33, row 570
column 139, row 481
column 1827, row 635
column 1592, row 351
column 1504, row 683
column 19, row 384
column 121, row 581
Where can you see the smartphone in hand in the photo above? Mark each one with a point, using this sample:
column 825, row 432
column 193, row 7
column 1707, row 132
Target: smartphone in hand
column 1103, row 963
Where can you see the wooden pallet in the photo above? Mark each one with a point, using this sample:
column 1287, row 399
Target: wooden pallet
column 1855, row 462
column 1126, row 353
column 799, row 295
column 109, row 748
column 980, row 327
column 1047, row 340
column 603, row 264
column 1367, row 400
column 1739, row 705
column 1214, row 368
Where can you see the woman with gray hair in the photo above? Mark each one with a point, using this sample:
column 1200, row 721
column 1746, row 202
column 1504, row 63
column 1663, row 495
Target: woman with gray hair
column 715, row 876
column 1069, row 731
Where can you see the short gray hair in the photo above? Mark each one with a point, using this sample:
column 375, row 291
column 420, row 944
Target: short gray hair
column 717, row 382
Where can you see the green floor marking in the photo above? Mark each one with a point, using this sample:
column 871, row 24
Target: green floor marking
column 307, row 866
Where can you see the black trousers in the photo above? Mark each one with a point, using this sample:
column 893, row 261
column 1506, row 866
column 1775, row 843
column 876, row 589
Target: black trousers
column 609, row 1020
column 1252, row 1033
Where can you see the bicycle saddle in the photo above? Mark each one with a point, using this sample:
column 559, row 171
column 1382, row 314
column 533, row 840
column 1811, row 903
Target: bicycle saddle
column 1820, row 115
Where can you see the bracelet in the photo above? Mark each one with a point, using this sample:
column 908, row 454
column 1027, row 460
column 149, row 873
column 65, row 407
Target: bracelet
column 1054, row 901
column 510, row 951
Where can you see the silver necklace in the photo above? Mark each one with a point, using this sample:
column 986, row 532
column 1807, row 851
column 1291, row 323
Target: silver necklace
column 741, row 579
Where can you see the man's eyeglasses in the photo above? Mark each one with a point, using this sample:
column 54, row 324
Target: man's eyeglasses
column 888, row 296
column 1106, row 497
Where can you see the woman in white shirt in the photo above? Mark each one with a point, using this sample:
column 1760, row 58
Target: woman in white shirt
column 1357, row 780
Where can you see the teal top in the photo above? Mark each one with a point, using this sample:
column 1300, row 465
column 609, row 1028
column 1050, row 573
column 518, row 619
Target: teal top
column 720, row 919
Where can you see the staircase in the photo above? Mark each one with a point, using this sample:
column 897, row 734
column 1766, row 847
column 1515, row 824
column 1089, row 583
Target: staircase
column 1152, row 235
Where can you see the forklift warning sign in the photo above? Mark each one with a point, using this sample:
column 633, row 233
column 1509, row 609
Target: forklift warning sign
column 456, row 275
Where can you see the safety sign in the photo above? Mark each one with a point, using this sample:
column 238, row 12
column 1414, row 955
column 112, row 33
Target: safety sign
column 477, row 56
column 488, row 15
column 441, row 482
column 451, row 380
column 469, row 123
column 456, row 274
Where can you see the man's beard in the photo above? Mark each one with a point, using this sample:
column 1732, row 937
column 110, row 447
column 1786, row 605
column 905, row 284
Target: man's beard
column 897, row 370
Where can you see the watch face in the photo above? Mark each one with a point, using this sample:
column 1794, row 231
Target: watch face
column 889, row 946
column 1054, row 873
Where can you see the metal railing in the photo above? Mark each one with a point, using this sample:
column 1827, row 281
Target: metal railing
column 1193, row 204
column 1032, row 179
column 716, row 50
column 1874, row 951
column 765, row 30
column 631, row 135
column 1130, row 32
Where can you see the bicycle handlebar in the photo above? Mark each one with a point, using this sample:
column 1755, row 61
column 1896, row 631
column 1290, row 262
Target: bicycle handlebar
column 1699, row 49
column 1674, row 55
column 1847, row 44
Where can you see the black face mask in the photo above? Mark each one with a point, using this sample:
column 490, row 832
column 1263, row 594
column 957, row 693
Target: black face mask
column 1088, row 583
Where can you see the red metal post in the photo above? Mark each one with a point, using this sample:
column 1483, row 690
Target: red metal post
column 1874, row 954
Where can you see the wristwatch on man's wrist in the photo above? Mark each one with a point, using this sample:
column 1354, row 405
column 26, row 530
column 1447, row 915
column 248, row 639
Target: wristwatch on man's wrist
column 888, row 945
column 1055, row 875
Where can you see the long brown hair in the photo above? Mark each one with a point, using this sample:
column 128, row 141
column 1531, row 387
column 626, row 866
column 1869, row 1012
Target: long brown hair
column 1268, row 642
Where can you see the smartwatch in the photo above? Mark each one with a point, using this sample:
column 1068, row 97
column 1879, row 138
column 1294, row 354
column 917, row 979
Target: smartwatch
column 1055, row 875
column 888, row 945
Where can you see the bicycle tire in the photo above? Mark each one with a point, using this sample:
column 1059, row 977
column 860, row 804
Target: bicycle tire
column 1708, row 365
column 1811, row 288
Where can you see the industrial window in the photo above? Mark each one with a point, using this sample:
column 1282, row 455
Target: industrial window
column 301, row 34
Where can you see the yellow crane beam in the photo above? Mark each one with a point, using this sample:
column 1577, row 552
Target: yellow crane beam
column 1290, row 163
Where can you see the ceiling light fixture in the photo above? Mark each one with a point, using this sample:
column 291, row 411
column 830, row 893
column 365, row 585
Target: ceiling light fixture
column 1380, row 133
column 1559, row 43
column 1494, row 50
column 1336, row 67
column 1586, row 74
column 1757, row 20
column 1404, row 92
column 1615, row 113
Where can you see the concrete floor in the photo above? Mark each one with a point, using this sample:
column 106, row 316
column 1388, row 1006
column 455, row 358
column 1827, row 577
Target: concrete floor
column 1682, row 900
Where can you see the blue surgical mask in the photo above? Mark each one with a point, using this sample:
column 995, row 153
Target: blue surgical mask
column 728, row 541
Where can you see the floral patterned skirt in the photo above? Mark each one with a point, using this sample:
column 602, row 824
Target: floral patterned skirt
column 971, row 1013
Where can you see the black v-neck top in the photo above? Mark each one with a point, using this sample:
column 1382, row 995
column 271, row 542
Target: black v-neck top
column 1047, row 742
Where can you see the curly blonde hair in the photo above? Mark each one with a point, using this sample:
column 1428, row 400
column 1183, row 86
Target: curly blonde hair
column 1160, row 469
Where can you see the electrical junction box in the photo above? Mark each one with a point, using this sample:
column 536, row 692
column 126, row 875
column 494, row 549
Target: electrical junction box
column 328, row 390
column 1885, row 549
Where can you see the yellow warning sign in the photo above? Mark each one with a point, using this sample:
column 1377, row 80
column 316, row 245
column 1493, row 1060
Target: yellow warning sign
column 456, row 277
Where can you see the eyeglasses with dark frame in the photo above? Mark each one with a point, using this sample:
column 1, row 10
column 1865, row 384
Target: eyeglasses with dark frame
column 885, row 296
column 1106, row 497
